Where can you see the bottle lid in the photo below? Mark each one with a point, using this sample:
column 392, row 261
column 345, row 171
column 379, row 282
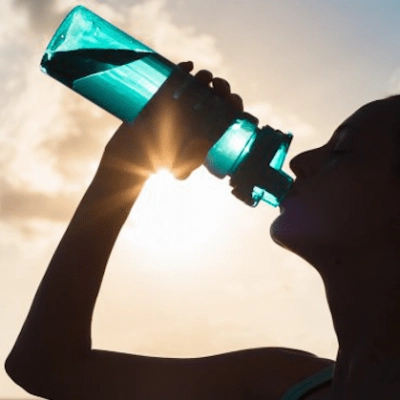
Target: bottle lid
column 259, row 176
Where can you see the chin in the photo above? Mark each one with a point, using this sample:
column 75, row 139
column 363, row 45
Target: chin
column 281, row 232
column 308, row 236
column 298, row 235
column 289, row 238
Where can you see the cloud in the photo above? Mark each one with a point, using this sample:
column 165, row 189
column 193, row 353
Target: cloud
column 41, row 15
column 18, row 203
column 78, row 138
column 153, row 24
column 280, row 120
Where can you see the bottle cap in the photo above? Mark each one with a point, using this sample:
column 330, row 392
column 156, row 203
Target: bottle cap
column 259, row 176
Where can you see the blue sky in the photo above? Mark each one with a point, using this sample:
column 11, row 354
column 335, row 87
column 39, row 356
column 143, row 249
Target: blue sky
column 217, row 283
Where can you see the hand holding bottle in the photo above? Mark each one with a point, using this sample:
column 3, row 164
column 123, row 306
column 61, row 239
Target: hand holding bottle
column 140, row 148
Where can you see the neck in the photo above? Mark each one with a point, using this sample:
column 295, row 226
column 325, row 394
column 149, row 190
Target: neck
column 363, row 292
column 367, row 375
column 365, row 301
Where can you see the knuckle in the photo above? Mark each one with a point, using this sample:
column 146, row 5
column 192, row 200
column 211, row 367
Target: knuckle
column 205, row 74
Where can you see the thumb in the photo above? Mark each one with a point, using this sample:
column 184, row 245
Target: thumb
column 191, row 157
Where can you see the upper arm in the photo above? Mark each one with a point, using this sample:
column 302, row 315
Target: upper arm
column 110, row 375
column 246, row 374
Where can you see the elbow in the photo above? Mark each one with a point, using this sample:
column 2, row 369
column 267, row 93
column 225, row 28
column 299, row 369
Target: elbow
column 21, row 375
column 32, row 379
column 18, row 373
column 42, row 369
column 39, row 374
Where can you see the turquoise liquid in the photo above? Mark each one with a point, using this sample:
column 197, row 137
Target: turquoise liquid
column 120, row 81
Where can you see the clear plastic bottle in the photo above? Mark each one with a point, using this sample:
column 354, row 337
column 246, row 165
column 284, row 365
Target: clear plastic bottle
column 123, row 76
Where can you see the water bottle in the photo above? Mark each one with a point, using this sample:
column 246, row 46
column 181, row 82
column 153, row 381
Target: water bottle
column 124, row 76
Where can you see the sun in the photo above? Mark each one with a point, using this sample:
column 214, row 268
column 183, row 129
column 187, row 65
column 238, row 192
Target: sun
column 177, row 216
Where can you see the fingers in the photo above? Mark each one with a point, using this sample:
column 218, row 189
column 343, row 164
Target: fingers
column 186, row 66
column 204, row 76
column 223, row 88
column 220, row 86
column 236, row 102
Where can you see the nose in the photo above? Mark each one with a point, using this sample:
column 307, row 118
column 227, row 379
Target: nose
column 305, row 164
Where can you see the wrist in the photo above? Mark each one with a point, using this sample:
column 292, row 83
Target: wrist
column 109, row 182
column 119, row 169
column 115, row 185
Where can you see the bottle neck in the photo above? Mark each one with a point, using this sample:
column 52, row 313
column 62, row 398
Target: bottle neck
column 232, row 148
column 253, row 158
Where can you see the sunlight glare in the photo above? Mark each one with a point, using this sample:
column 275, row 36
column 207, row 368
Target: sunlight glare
column 174, row 216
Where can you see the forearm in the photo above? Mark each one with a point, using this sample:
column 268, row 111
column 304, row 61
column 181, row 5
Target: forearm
column 57, row 329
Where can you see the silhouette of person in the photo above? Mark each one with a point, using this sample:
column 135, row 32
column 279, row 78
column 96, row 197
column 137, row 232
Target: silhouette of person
column 342, row 216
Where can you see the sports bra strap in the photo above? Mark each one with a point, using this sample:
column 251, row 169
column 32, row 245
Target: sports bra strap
column 313, row 381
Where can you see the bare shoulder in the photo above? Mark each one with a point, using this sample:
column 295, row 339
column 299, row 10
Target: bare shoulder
column 264, row 373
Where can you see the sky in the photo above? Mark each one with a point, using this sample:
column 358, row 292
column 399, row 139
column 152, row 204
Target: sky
column 194, row 271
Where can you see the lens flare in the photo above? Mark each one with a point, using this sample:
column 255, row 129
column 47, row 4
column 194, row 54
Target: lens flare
column 175, row 216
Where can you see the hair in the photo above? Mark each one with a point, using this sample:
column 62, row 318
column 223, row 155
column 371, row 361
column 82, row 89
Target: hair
column 393, row 97
column 396, row 98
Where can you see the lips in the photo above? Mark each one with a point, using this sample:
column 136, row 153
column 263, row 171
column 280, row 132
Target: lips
column 292, row 192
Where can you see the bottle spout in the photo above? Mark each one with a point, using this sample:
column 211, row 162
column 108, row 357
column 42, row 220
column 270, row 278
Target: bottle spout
column 260, row 177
